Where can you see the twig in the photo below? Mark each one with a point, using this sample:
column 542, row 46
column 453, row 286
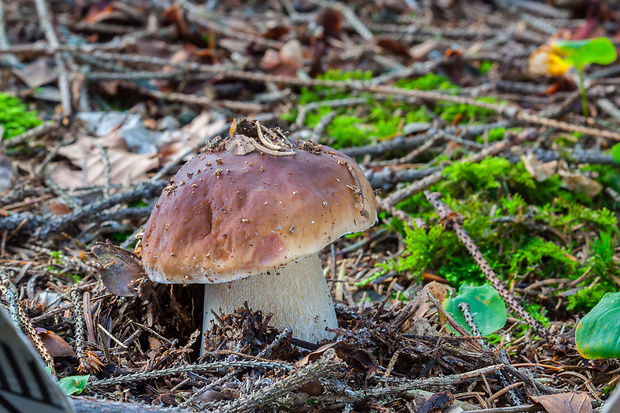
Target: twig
column 195, row 15
column 9, row 59
column 106, row 169
column 443, row 381
column 266, row 352
column 78, row 321
column 144, row 190
column 469, row 319
column 17, row 312
column 450, row 221
column 155, row 374
column 30, row 134
column 511, row 409
column 10, row 295
column 508, row 111
column 68, row 200
column 610, row 108
column 89, row 405
column 50, row 35
column 328, row 363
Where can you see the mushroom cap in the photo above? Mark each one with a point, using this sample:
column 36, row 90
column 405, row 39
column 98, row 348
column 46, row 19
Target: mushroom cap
column 226, row 216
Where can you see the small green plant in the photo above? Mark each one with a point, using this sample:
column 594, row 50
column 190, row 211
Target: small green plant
column 485, row 305
column 15, row 117
column 579, row 53
column 561, row 55
column 73, row 384
column 598, row 334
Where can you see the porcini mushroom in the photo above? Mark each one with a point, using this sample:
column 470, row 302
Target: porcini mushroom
column 248, row 216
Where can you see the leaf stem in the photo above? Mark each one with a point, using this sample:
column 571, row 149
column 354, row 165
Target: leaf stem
column 582, row 89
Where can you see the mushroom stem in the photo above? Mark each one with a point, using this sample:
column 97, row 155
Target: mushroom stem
column 297, row 294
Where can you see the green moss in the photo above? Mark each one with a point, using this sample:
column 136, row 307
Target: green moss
column 492, row 188
column 485, row 66
column 430, row 81
column 381, row 119
column 15, row 117
column 462, row 113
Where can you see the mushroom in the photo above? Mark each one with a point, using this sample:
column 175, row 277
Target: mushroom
column 248, row 216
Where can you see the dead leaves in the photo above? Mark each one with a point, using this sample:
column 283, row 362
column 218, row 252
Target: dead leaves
column 573, row 181
column 121, row 271
column 286, row 62
column 131, row 149
column 565, row 402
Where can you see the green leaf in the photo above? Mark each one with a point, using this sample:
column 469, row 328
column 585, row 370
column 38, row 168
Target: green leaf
column 485, row 305
column 579, row 53
column 598, row 333
column 73, row 384
column 615, row 152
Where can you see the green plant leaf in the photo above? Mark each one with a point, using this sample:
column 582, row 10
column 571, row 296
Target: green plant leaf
column 579, row 53
column 485, row 305
column 615, row 152
column 598, row 333
column 73, row 384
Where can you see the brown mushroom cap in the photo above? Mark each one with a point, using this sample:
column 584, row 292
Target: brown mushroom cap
column 225, row 216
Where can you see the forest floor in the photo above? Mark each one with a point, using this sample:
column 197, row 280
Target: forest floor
column 487, row 173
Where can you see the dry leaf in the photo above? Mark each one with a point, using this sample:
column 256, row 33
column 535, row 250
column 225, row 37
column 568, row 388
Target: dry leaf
column 578, row 182
column 38, row 73
column 539, row 171
column 124, row 166
column 285, row 62
column 55, row 345
column 565, row 402
column 393, row 46
column 574, row 181
column 437, row 290
column 239, row 146
column 121, row 271
column 315, row 355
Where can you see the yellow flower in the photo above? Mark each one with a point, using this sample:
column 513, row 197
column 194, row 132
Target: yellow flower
column 547, row 60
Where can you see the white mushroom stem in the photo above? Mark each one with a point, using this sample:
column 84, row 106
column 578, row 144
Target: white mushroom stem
column 297, row 295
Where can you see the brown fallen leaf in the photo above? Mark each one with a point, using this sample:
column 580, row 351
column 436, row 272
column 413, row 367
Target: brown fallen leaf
column 121, row 271
column 39, row 72
column 574, row 181
column 539, row 171
column 315, row 355
column 124, row 166
column 285, row 62
column 565, row 402
column 55, row 345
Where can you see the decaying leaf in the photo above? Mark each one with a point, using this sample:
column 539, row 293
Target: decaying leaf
column 574, row 181
column 315, row 355
column 39, row 72
column 420, row 304
column 124, row 166
column 239, row 146
column 55, row 345
column 565, row 402
column 285, row 62
column 121, row 271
